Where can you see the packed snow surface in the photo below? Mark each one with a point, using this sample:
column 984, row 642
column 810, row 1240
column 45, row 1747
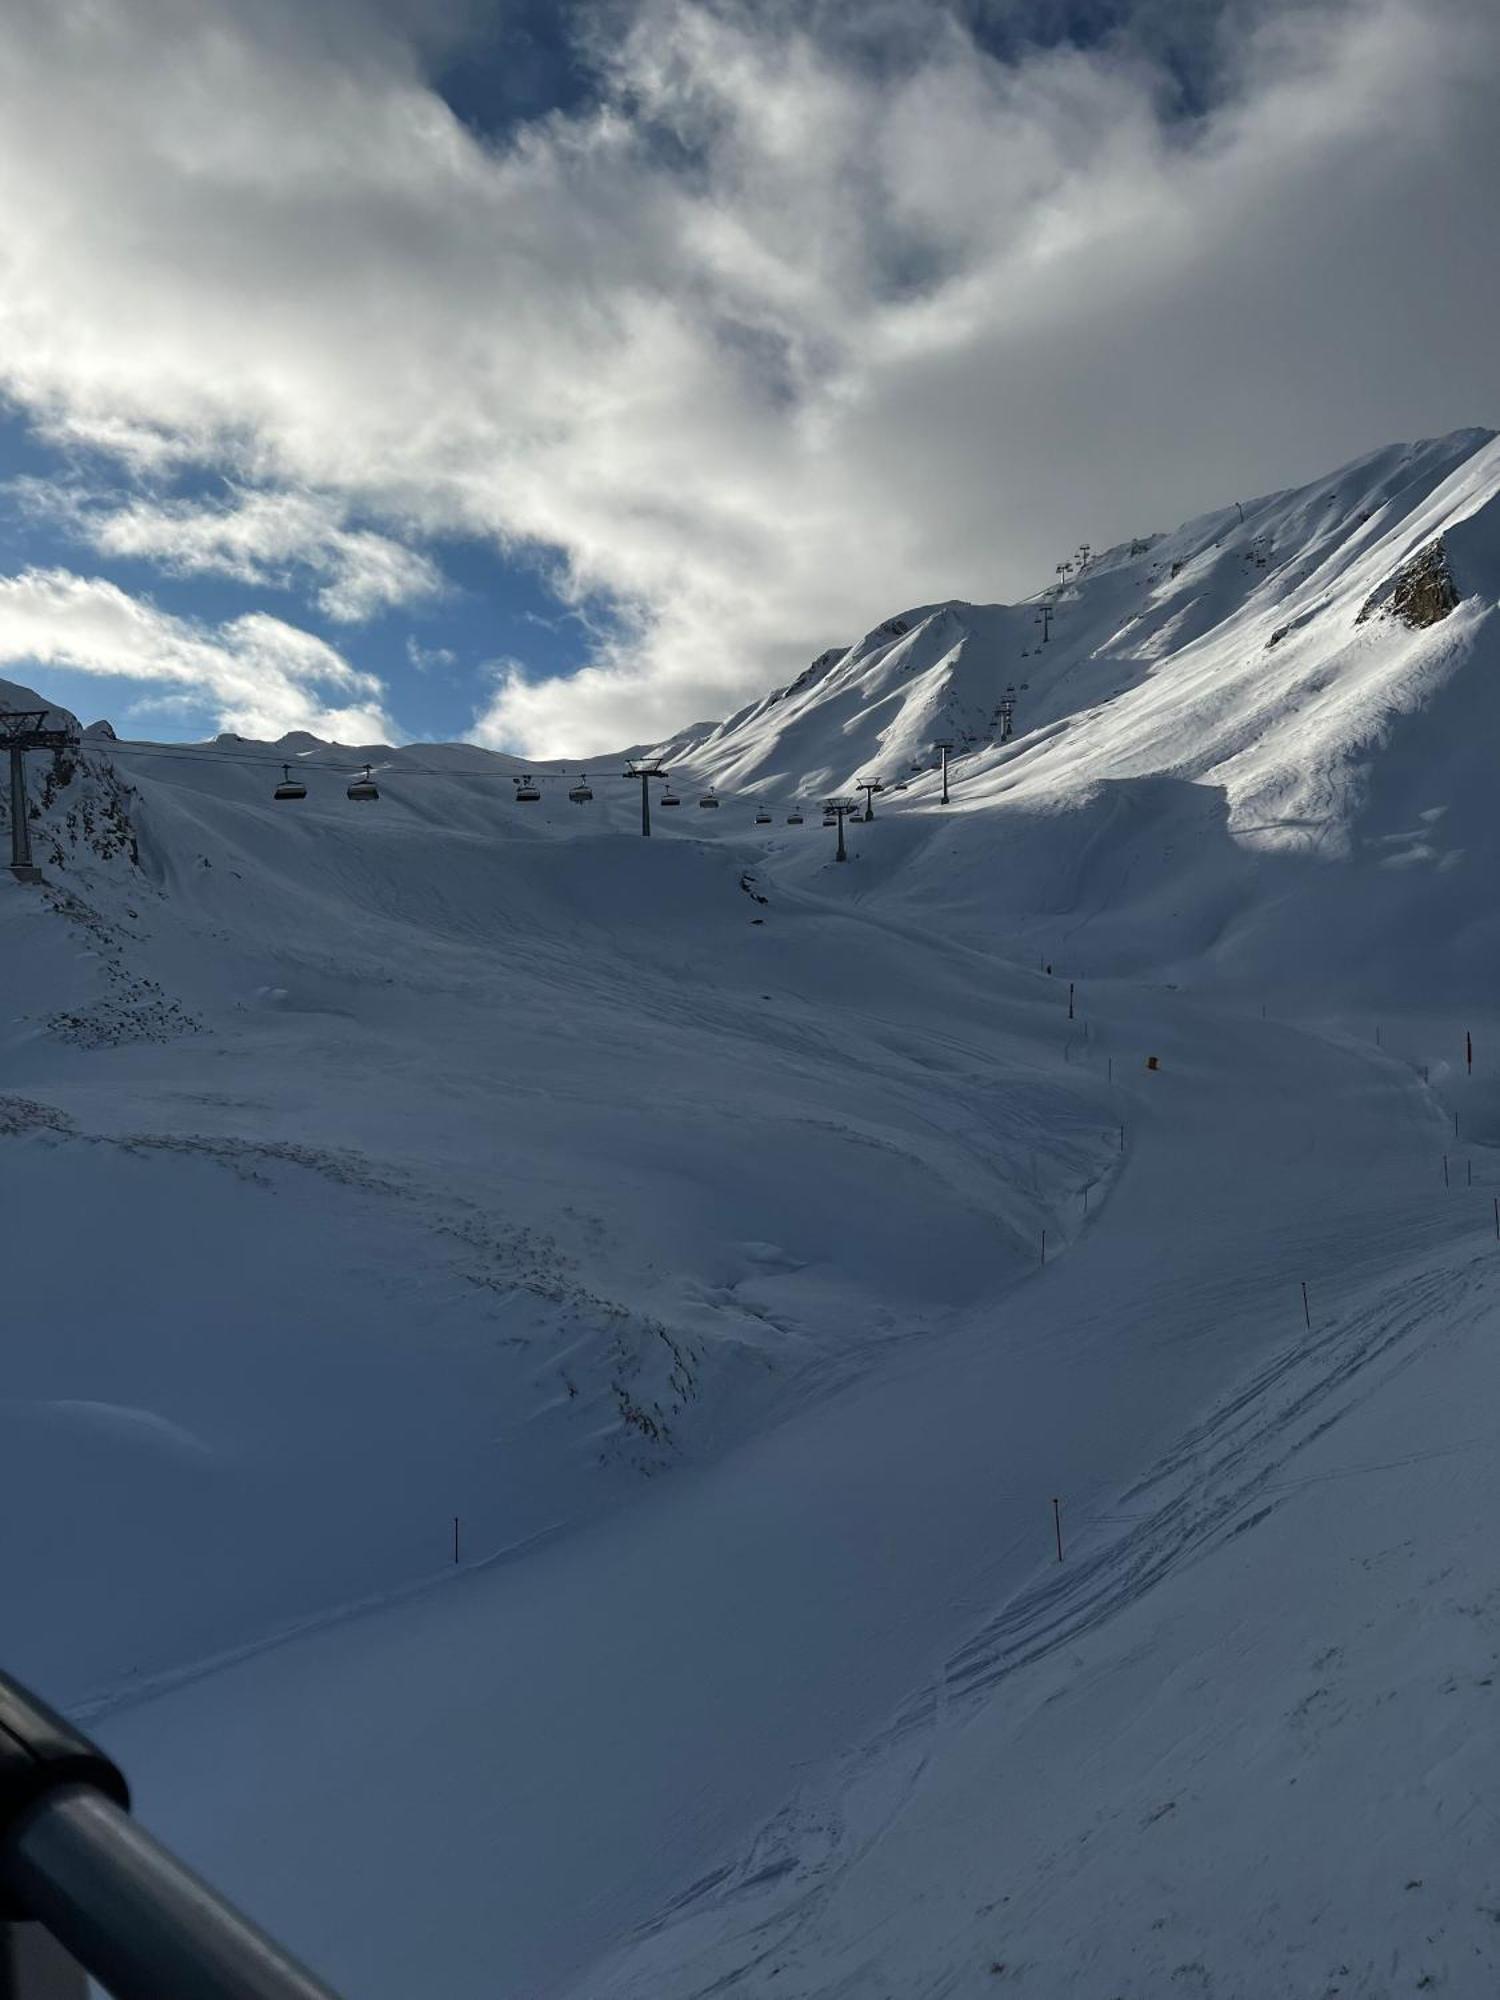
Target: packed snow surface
column 550, row 1371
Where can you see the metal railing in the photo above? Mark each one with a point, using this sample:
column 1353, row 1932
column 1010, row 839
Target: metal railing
column 85, row 1892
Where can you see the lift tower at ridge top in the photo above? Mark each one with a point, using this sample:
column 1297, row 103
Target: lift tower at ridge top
column 23, row 729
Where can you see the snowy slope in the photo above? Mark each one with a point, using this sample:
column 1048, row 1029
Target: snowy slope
column 438, row 1158
column 673, row 1214
column 1188, row 615
column 1220, row 767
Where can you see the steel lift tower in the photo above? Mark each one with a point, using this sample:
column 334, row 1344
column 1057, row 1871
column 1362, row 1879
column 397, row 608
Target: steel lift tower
column 1007, row 711
column 842, row 809
column 646, row 768
column 23, row 729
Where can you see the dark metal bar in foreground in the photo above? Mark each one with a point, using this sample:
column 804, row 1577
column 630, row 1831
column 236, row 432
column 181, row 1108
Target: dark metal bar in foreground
column 121, row 1905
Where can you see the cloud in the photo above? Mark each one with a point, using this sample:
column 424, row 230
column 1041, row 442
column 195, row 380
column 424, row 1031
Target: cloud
column 429, row 659
column 768, row 338
column 265, row 677
column 257, row 537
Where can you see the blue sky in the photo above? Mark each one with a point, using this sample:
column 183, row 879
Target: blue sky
column 436, row 657
column 555, row 376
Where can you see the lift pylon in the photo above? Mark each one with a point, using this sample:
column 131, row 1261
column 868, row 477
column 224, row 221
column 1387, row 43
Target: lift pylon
column 23, row 729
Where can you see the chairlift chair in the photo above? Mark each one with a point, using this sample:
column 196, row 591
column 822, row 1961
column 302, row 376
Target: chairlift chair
column 794, row 817
column 709, row 800
column 830, row 819
column 669, row 799
column 763, row 818
column 527, row 792
column 365, row 787
column 290, row 787
column 580, row 793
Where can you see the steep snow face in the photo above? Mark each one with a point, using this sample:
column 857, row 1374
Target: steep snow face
column 929, row 673
column 1250, row 750
column 1155, row 657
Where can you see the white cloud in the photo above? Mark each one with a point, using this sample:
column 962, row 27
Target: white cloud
column 265, row 677
column 261, row 537
column 773, row 341
column 429, row 659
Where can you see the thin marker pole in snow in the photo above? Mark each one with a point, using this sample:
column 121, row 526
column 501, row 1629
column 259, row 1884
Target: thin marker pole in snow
column 455, row 1538
column 1445, row 1170
column 1111, row 1069
column 1044, row 1246
column 1070, row 999
column 1306, row 1308
column 1057, row 1525
column 1469, row 1051
column 1470, row 1165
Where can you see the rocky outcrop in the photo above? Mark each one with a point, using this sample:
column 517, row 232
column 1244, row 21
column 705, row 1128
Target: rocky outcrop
column 1422, row 592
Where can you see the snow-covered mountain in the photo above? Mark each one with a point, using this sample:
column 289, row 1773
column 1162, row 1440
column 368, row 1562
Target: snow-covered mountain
column 1190, row 615
column 747, row 1248
column 1257, row 743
